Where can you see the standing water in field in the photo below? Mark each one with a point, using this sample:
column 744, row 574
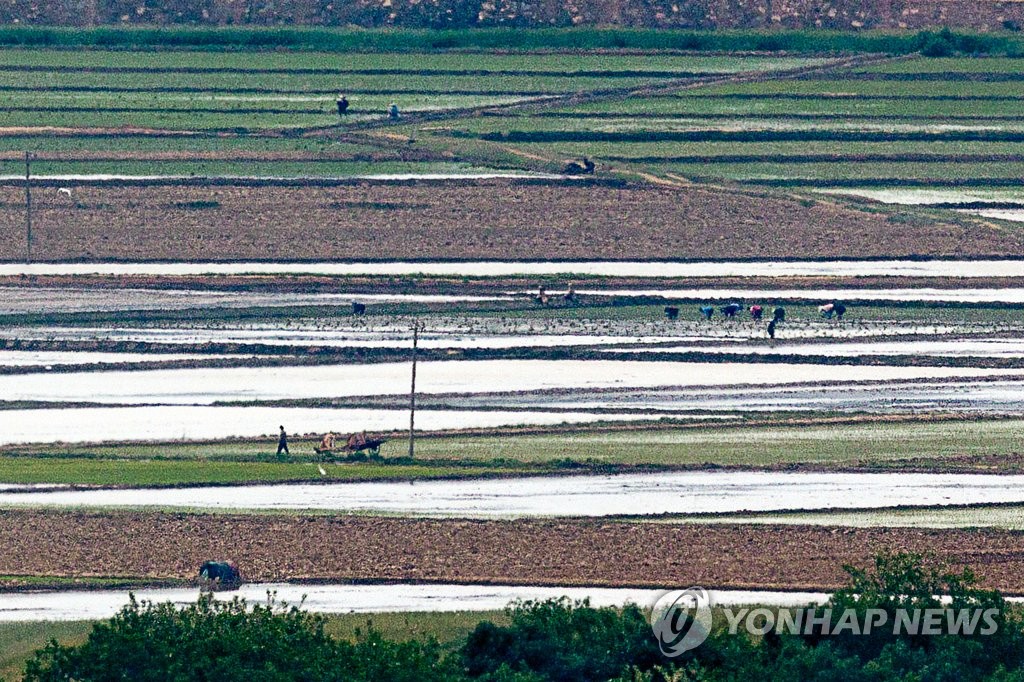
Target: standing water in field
column 401, row 598
column 893, row 268
column 205, row 386
column 586, row 496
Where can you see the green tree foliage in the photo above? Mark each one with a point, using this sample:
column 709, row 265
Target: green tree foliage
column 551, row 641
column 562, row 641
column 229, row 641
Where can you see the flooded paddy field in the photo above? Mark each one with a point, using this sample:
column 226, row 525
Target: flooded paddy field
column 326, row 207
column 599, row 324
column 572, row 496
column 207, row 386
column 142, row 403
column 973, row 347
column 334, row 599
column 923, row 295
column 186, row 404
column 351, row 337
column 398, row 598
column 188, row 422
column 40, row 301
column 753, row 268
column 890, row 397
column 17, row 358
column 19, row 300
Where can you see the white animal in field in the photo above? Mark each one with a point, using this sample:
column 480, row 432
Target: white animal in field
column 67, row 191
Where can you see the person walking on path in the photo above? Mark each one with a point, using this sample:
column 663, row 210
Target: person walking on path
column 282, row 442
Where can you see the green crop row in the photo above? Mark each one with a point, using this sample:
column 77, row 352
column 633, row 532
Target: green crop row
column 498, row 63
column 385, row 40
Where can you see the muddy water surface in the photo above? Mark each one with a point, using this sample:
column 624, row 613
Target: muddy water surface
column 94, row 605
column 896, row 268
column 205, row 386
column 579, row 496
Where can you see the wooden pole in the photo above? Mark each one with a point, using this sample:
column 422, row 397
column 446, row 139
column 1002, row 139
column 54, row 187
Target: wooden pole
column 412, row 393
column 28, row 207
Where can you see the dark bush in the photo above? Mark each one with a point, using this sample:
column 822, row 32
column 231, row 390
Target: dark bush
column 563, row 641
column 230, row 641
column 550, row 641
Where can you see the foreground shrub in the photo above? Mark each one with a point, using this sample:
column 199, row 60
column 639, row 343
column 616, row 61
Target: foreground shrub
column 229, row 641
column 555, row 640
column 559, row 640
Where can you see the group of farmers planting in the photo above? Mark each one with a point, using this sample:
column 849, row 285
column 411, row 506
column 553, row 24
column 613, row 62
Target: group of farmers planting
column 731, row 310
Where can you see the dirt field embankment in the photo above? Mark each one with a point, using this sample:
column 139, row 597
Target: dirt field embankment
column 587, row 552
column 498, row 219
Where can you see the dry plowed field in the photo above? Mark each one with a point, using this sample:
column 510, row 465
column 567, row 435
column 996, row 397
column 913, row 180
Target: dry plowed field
column 497, row 219
column 272, row 547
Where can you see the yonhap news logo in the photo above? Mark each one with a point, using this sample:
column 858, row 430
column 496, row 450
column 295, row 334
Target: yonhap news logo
column 683, row 619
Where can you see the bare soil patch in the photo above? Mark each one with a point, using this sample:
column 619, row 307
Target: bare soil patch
column 499, row 219
column 288, row 547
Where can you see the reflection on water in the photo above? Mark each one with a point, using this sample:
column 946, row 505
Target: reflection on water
column 899, row 268
column 20, row 300
column 204, row 386
column 36, row 358
column 1003, row 295
column 167, row 423
column 332, row 338
column 980, row 397
column 629, row 494
column 989, row 348
column 93, row 605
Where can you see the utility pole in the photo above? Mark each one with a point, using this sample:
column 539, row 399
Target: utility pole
column 412, row 392
column 28, row 207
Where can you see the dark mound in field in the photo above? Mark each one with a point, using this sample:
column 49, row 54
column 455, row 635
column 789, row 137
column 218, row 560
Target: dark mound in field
column 492, row 219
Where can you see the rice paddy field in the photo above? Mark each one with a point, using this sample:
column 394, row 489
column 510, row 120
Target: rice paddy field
column 911, row 120
column 583, row 395
column 175, row 113
column 903, row 123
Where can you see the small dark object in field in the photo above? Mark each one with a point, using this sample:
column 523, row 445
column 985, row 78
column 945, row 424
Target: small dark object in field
column 771, row 329
column 358, row 308
column 839, row 309
column 756, row 312
column 342, row 105
column 220, row 575
column 707, row 311
column 575, row 168
column 672, row 312
column 779, row 314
